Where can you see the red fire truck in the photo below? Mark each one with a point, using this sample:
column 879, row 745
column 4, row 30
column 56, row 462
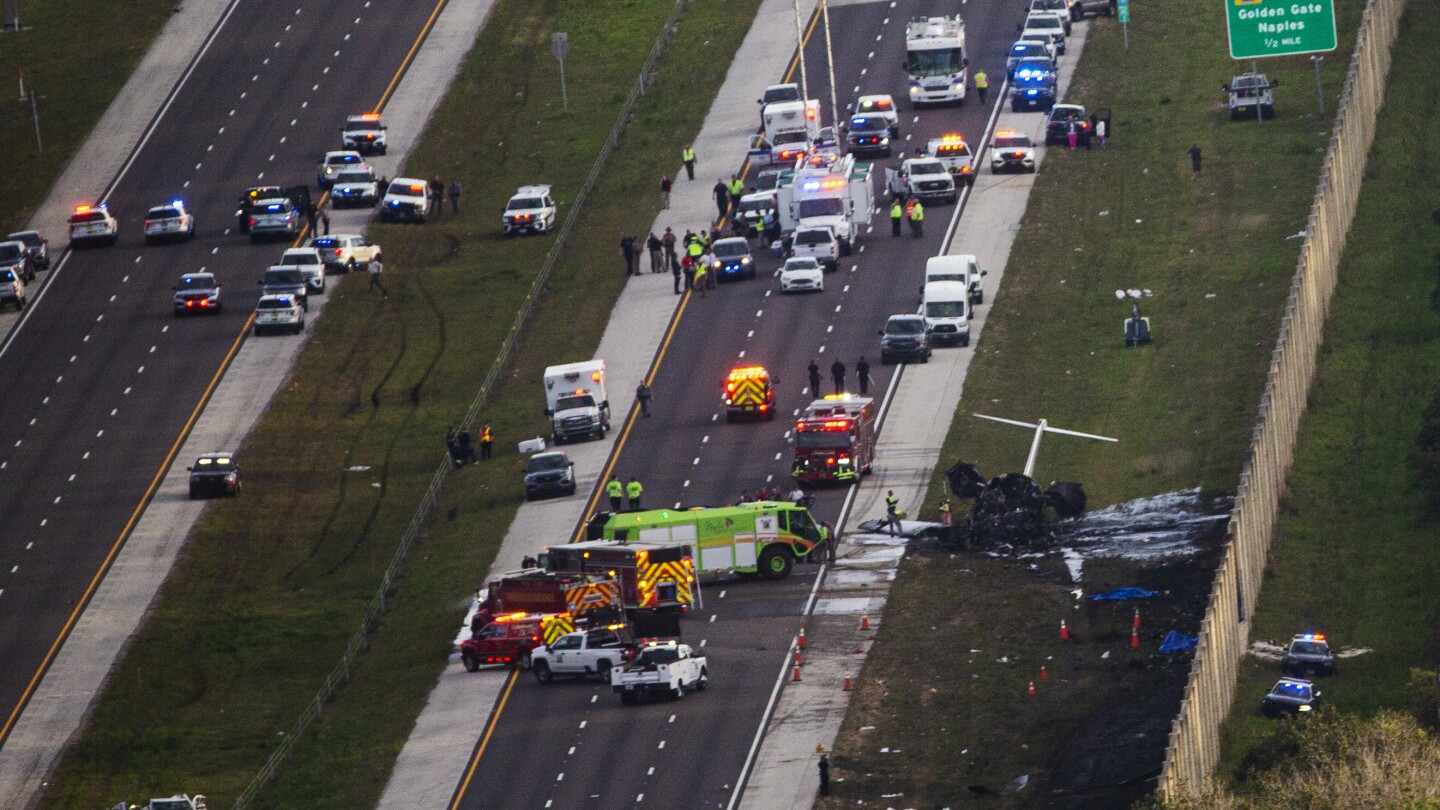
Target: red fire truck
column 834, row 440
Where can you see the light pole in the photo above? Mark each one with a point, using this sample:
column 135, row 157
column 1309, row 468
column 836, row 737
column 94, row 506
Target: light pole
column 830, row 59
column 1316, row 59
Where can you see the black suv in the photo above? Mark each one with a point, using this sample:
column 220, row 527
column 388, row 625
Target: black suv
column 214, row 474
column 868, row 134
column 905, row 338
column 1062, row 117
column 35, row 244
column 549, row 474
column 15, row 257
column 1034, row 84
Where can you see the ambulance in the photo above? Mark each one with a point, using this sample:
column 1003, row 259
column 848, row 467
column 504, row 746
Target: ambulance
column 749, row 393
column 765, row 538
column 834, row 440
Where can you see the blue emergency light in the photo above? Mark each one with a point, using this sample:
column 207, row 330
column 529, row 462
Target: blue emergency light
column 811, row 185
column 1032, row 92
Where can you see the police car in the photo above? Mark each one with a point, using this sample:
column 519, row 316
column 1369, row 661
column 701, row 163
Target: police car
column 530, row 210
column 170, row 221
column 1251, row 94
column 355, row 186
column 1029, row 48
column 274, row 217
column 1033, row 85
column 36, row 245
column 93, row 223
column 955, row 155
column 732, row 259
column 343, row 252
column 1290, row 696
column 1012, row 151
column 880, row 106
column 214, row 474
column 868, row 135
column 335, row 162
column 1045, row 26
column 15, row 258
column 364, row 134
column 406, row 200
column 1307, row 652
column 279, row 312
column 197, row 294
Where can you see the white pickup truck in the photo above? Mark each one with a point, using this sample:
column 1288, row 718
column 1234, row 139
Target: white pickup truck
column 580, row 654
column 660, row 668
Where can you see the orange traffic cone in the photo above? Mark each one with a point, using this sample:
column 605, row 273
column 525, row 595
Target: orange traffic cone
column 1031, row 690
column 1044, row 676
column 800, row 639
column 799, row 658
column 1134, row 639
column 865, row 622
column 795, row 676
column 1135, row 626
column 848, row 684
column 1064, row 631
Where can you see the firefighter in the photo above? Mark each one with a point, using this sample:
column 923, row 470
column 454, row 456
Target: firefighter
column 892, row 513
column 615, row 491
column 632, row 492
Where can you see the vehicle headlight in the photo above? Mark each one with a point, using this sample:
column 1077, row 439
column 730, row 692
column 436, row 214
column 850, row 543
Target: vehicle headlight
column 718, row 264
column 745, row 260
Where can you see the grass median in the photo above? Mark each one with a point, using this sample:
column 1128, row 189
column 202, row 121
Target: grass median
column 270, row 586
column 1218, row 252
column 1356, row 556
column 61, row 55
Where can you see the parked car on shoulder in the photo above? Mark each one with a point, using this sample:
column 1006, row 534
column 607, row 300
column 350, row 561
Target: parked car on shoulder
column 36, row 244
column 549, row 474
column 214, row 474
column 14, row 257
column 279, row 313
column 343, row 252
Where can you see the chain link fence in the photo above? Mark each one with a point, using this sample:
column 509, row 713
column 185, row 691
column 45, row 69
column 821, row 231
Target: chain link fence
column 343, row 670
column 1194, row 747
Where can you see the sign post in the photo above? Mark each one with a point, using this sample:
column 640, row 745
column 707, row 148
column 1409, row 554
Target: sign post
column 560, row 48
column 1260, row 28
column 1122, row 10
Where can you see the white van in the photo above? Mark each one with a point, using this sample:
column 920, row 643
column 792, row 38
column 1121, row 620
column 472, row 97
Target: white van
column 963, row 268
column 945, row 306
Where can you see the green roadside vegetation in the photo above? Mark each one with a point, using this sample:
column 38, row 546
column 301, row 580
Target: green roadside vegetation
column 77, row 55
column 270, row 587
column 1218, row 255
column 1357, row 556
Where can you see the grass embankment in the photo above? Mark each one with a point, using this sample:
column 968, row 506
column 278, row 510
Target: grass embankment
column 1357, row 555
column 77, row 55
column 270, row 587
column 1216, row 254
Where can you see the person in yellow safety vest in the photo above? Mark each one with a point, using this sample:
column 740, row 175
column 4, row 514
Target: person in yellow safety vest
column 688, row 157
column 487, row 441
column 945, row 511
column 702, row 276
column 615, row 490
column 897, row 213
column 917, row 220
column 892, row 513
column 982, row 85
column 632, row 492
column 737, row 189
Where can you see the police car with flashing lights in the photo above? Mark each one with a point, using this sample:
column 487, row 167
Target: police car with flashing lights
column 170, row 221
column 343, row 252
column 732, row 259
column 335, row 162
column 364, row 134
column 868, row 135
column 36, row 245
column 1309, row 652
column 93, row 224
column 406, row 200
column 955, row 155
column 214, row 474
column 1029, row 49
column 1033, row 87
column 880, row 106
column 927, row 179
column 274, row 217
column 355, row 187
column 15, row 258
column 1290, row 696
column 197, row 294
column 1012, row 151
column 1061, row 8
column 279, row 311
column 530, row 210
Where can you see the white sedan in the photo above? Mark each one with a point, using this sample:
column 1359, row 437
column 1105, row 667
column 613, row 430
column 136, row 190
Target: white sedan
column 801, row 274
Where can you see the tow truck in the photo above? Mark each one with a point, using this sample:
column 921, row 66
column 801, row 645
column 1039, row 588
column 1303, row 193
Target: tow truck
column 838, row 195
column 93, row 223
column 834, row 440
column 660, row 668
column 955, row 155
column 749, row 392
column 935, row 59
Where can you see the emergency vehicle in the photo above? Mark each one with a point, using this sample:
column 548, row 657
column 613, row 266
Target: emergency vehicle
column 749, row 392
column 364, row 134
column 955, row 155
column 838, row 195
column 522, row 610
column 935, row 59
column 170, row 221
column 764, row 538
column 93, row 223
column 834, row 440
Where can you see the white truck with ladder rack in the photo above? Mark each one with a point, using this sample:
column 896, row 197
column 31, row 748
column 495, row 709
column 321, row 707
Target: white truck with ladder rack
column 838, row 195
column 935, row 59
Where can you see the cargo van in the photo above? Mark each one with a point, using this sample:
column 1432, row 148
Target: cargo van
column 964, row 268
column 945, row 306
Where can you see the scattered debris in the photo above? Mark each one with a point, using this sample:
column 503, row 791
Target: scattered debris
column 1176, row 641
column 358, row 468
column 1121, row 594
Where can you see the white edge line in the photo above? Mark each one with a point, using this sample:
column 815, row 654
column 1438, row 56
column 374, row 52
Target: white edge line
column 984, row 141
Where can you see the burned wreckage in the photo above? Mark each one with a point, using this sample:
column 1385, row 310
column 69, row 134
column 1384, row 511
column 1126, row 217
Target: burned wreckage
column 1010, row 509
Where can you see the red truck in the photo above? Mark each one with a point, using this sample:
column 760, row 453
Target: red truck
column 834, row 440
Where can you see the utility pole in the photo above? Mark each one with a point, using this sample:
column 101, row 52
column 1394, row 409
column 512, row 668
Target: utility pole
column 830, row 58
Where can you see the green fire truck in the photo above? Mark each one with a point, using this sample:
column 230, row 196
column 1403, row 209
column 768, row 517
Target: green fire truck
column 765, row 538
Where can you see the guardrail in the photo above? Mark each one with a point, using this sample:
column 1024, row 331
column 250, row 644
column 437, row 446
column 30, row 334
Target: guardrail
column 1194, row 747
column 342, row 672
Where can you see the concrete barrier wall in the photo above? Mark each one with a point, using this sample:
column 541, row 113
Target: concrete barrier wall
column 1194, row 747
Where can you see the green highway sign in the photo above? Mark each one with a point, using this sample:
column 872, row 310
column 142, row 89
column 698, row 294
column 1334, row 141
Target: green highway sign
column 1123, row 10
column 1279, row 27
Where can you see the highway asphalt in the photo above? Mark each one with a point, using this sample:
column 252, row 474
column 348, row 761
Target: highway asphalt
column 99, row 381
column 572, row 745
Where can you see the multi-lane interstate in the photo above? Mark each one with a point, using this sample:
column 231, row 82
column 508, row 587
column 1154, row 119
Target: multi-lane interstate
column 99, row 383
column 570, row 744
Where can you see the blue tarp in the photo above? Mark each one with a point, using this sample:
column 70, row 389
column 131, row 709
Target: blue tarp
column 1123, row 593
column 1176, row 641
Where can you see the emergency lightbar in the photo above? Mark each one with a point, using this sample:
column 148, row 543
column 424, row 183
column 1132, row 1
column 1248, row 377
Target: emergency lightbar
column 511, row 617
column 953, row 138
column 417, row 187
column 749, row 372
column 1312, row 636
column 1005, row 133
column 371, row 116
column 822, row 185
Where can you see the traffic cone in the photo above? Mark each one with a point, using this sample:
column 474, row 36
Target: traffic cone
column 865, row 621
column 1134, row 639
column 1044, row 676
column 795, row 675
column 800, row 639
column 848, row 684
column 1064, row 631
column 1135, row 626
column 799, row 658
column 1031, row 690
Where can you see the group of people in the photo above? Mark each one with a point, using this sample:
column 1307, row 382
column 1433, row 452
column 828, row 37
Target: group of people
column 462, row 447
column 688, row 259
column 437, row 192
column 767, row 493
column 629, row 492
column 837, row 375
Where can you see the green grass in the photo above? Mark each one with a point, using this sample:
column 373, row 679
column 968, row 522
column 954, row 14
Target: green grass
column 270, row 587
column 1182, row 408
column 1357, row 556
column 77, row 55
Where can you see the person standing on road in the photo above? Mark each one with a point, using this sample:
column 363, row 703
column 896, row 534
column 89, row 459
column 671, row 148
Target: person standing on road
column 455, row 196
column 721, row 192
column 325, row 222
column 668, row 242
column 687, row 155
column 736, row 186
column 376, row 268
column 1072, row 134
column 467, row 449
column 676, row 273
column 665, row 191
column 814, row 379
column 631, row 252
column 892, row 513
column 917, row 220
column 687, row 267
column 837, row 373
column 642, row 393
column 614, row 491
column 824, row 766
column 655, row 248
column 702, row 276
column 982, row 85
column 311, row 212
column 1195, row 160
column 437, row 195
column 487, row 442
column 862, row 371
column 632, row 493
column 452, row 446
column 897, row 213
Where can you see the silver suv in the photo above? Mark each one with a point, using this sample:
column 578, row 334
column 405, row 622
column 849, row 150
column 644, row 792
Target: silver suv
column 14, row 256
column 12, row 289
